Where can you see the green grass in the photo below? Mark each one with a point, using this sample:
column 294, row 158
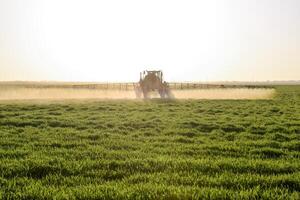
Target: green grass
column 221, row 149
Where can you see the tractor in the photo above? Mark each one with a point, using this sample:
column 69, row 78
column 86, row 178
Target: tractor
column 152, row 81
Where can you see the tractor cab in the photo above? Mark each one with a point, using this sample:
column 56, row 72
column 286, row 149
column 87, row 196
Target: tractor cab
column 152, row 75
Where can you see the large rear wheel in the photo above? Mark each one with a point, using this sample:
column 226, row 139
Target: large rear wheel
column 162, row 93
column 145, row 93
column 138, row 92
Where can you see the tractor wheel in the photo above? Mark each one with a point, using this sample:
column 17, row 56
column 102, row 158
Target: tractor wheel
column 162, row 94
column 138, row 92
column 168, row 93
column 145, row 93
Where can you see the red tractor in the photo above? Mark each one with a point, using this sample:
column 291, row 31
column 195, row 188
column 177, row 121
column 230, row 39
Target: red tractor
column 151, row 81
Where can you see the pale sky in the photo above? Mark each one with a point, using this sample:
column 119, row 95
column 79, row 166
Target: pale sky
column 113, row 40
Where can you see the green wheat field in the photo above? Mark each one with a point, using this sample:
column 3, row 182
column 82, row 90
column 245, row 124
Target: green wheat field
column 155, row 149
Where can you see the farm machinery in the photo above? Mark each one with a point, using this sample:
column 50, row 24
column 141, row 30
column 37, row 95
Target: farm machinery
column 152, row 84
column 152, row 81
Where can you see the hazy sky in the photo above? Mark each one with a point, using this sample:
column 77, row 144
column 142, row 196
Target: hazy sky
column 113, row 40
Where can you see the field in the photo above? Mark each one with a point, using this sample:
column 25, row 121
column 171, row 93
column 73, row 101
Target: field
column 180, row 149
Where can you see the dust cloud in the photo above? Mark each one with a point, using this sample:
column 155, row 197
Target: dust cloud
column 230, row 93
column 63, row 93
column 67, row 93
